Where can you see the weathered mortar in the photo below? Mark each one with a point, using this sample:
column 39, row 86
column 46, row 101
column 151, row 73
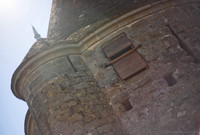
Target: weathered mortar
column 69, row 90
column 63, row 97
column 165, row 96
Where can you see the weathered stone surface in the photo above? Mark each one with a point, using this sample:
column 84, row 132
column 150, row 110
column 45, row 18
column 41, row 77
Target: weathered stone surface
column 70, row 96
column 157, row 93
column 76, row 94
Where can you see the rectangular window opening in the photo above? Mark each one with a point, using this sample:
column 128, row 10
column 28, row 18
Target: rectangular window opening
column 127, row 105
column 121, row 53
column 170, row 79
column 124, row 57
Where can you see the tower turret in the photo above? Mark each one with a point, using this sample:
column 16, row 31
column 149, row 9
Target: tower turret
column 114, row 67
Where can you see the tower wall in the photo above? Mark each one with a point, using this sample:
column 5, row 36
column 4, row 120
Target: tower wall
column 164, row 97
column 69, row 90
column 63, row 97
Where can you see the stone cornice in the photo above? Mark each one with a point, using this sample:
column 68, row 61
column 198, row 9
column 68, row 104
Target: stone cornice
column 29, row 122
column 68, row 47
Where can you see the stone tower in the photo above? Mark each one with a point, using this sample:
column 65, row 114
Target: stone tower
column 114, row 67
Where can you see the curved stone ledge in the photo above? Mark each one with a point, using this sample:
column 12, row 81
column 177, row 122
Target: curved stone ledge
column 170, row 49
column 64, row 48
column 30, row 125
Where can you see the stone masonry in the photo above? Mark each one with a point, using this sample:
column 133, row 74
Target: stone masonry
column 70, row 91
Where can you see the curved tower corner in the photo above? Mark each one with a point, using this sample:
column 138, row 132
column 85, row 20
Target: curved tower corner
column 61, row 91
column 117, row 67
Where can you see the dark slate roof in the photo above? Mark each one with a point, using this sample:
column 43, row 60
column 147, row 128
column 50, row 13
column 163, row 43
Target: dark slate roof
column 36, row 47
column 68, row 16
column 71, row 20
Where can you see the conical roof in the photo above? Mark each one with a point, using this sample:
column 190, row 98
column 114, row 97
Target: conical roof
column 82, row 17
column 76, row 17
column 68, row 16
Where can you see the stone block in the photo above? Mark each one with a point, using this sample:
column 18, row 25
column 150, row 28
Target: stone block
column 140, row 24
column 181, row 114
column 135, row 99
column 105, row 129
column 78, row 63
column 93, row 132
column 82, row 85
column 75, row 117
column 142, row 38
column 120, row 97
column 157, row 18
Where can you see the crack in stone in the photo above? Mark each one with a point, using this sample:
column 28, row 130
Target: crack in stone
column 183, row 45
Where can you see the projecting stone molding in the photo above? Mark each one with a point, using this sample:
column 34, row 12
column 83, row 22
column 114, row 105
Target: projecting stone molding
column 70, row 90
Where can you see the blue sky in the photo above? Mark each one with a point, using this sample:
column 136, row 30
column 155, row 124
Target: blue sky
column 16, row 38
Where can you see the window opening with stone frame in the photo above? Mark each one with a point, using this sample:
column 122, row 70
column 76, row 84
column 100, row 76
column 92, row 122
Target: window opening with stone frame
column 124, row 57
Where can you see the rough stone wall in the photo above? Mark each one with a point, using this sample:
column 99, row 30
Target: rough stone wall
column 165, row 96
column 76, row 94
column 63, row 98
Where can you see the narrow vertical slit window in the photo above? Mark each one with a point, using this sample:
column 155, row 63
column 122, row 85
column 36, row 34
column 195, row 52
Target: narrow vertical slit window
column 124, row 57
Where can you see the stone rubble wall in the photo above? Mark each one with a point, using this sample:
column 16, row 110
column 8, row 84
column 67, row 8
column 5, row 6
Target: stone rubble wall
column 63, row 98
column 165, row 96
column 76, row 94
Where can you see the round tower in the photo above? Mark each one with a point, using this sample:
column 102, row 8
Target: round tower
column 61, row 91
column 117, row 67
